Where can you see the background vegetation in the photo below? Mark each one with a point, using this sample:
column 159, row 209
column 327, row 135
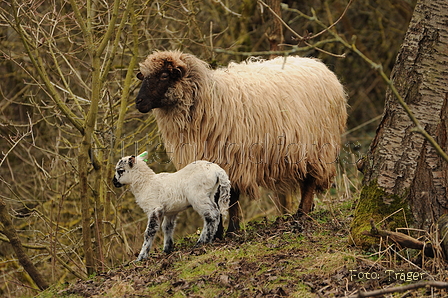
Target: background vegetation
column 67, row 86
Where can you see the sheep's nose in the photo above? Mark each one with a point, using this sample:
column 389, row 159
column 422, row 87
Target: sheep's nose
column 138, row 100
column 116, row 183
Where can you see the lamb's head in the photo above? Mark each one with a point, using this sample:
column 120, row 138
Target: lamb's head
column 159, row 74
column 123, row 170
column 125, row 167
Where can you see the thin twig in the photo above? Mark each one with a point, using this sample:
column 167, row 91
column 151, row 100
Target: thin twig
column 379, row 68
column 294, row 49
column 298, row 36
column 14, row 145
column 78, row 274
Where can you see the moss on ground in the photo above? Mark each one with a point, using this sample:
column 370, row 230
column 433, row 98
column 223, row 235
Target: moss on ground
column 282, row 257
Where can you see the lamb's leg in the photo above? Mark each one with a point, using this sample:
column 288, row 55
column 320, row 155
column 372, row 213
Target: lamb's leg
column 234, row 211
column 154, row 219
column 220, row 231
column 168, row 225
column 307, row 191
column 210, row 214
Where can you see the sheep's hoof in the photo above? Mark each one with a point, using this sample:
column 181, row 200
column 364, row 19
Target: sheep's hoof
column 234, row 226
column 299, row 214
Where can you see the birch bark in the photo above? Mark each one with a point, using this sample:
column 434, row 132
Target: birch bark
column 403, row 171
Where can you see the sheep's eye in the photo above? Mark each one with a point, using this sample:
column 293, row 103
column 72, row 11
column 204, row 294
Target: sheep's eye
column 120, row 172
column 164, row 76
column 140, row 76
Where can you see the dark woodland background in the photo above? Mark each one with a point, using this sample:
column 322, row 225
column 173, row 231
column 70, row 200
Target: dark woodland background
column 40, row 143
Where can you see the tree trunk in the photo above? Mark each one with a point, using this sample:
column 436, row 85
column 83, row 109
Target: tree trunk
column 85, row 198
column 403, row 171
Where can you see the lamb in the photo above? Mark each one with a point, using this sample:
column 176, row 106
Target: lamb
column 274, row 123
column 162, row 196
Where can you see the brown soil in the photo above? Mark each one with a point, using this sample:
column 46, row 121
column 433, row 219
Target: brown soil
column 306, row 257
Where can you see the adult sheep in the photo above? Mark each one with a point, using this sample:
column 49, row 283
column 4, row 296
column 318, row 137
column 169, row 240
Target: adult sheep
column 269, row 123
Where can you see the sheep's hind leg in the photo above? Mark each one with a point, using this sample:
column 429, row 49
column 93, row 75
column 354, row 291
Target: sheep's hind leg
column 234, row 211
column 168, row 225
column 154, row 219
column 210, row 214
column 307, row 190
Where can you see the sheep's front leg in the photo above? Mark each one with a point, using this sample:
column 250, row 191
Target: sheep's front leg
column 154, row 219
column 168, row 225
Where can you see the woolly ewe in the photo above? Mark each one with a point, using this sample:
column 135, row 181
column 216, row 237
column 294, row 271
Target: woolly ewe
column 275, row 123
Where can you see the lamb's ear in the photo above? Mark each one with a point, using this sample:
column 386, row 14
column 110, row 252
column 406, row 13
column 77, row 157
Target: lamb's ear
column 143, row 156
column 131, row 161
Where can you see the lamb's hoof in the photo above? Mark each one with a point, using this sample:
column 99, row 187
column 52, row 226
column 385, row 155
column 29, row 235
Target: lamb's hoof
column 168, row 250
column 141, row 258
column 198, row 244
column 219, row 236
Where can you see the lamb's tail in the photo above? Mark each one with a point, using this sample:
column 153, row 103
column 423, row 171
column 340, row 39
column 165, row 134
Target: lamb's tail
column 224, row 192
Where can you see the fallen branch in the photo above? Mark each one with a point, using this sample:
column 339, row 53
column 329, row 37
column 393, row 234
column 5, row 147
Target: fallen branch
column 403, row 240
column 401, row 289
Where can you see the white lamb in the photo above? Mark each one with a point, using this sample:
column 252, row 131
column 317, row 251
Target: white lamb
column 162, row 196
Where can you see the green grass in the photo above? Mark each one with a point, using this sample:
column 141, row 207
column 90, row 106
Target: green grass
column 270, row 257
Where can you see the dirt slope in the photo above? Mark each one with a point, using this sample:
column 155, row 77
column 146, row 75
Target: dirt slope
column 286, row 257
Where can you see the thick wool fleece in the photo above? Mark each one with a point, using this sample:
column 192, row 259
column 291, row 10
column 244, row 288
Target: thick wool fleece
column 267, row 123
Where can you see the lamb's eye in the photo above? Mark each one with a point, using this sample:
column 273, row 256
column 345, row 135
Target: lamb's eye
column 164, row 76
column 120, row 172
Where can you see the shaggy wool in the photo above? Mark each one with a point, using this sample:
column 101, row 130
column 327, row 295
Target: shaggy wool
column 268, row 123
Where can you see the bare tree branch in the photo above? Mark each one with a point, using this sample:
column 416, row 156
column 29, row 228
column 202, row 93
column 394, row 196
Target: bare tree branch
column 10, row 232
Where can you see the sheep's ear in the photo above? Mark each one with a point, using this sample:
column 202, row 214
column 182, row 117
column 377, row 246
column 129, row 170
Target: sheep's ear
column 177, row 72
column 131, row 161
column 140, row 76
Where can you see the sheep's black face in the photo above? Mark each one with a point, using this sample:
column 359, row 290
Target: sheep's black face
column 153, row 92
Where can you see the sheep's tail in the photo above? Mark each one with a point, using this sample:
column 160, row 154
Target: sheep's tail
column 224, row 192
